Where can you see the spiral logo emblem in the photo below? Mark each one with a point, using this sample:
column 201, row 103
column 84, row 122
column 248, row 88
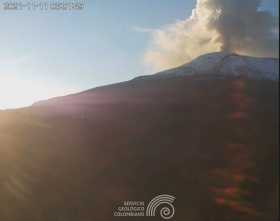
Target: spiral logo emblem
column 166, row 201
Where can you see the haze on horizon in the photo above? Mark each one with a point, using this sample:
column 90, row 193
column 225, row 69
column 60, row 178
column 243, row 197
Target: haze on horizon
column 50, row 53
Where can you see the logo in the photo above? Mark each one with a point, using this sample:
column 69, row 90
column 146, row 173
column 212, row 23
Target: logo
column 167, row 211
column 161, row 205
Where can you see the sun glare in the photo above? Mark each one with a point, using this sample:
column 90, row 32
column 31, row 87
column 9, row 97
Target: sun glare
column 16, row 93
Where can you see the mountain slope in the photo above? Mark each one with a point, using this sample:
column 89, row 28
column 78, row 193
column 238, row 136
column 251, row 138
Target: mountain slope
column 211, row 141
column 227, row 65
column 214, row 65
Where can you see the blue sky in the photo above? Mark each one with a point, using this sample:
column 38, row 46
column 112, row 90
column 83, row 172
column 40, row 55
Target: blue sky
column 46, row 54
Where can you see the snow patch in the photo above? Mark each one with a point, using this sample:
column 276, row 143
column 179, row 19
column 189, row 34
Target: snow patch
column 229, row 65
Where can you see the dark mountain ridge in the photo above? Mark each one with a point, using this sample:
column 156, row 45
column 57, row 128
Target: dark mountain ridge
column 211, row 140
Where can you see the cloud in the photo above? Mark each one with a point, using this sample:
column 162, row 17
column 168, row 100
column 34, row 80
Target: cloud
column 237, row 26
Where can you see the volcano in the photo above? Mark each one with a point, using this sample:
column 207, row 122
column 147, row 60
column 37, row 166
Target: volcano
column 205, row 132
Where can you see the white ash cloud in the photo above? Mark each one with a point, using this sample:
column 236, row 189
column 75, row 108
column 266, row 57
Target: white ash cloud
column 234, row 26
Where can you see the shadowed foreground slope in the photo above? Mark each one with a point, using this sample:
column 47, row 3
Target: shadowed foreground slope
column 210, row 141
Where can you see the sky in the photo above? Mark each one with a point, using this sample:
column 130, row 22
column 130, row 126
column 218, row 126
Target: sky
column 49, row 53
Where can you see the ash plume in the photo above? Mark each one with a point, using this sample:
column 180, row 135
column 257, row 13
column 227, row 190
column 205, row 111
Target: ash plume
column 233, row 26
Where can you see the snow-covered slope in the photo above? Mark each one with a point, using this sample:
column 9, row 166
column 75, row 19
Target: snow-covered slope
column 228, row 65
